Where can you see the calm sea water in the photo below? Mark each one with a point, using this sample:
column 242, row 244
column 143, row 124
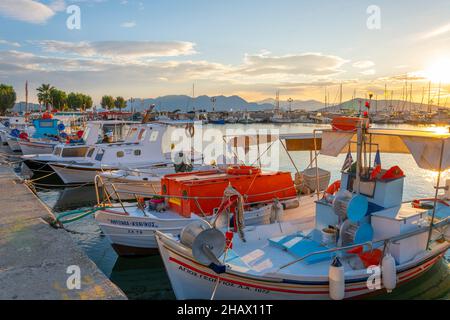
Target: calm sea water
column 145, row 278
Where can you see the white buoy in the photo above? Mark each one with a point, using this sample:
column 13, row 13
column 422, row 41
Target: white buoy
column 336, row 278
column 389, row 272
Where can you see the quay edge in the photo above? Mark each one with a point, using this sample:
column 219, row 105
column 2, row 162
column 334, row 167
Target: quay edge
column 35, row 256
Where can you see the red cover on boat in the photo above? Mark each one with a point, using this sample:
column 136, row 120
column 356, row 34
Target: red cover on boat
column 255, row 187
column 393, row 173
column 348, row 123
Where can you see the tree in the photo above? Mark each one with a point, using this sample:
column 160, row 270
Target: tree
column 79, row 101
column 74, row 100
column 7, row 98
column 87, row 102
column 107, row 102
column 120, row 103
column 44, row 95
column 58, row 99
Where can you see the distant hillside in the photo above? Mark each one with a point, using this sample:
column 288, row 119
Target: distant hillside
column 187, row 103
column 308, row 105
column 380, row 105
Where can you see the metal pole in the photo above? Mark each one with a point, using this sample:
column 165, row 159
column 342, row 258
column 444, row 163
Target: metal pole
column 317, row 166
column 436, row 194
column 359, row 155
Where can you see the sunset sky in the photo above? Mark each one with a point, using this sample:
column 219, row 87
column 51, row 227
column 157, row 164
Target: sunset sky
column 249, row 48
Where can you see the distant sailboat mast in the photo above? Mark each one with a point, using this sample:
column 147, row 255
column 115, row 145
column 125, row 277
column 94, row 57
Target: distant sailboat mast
column 26, row 96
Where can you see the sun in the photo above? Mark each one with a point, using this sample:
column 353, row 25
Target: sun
column 439, row 71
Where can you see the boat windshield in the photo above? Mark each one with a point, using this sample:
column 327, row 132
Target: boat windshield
column 77, row 152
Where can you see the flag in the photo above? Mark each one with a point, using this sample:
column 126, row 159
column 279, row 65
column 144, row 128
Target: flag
column 376, row 166
column 348, row 162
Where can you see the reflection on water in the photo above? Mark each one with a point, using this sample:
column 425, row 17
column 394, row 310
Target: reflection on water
column 145, row 278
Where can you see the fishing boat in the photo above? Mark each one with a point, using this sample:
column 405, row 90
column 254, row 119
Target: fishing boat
column 192, row 196
column 365, row 241
column 78, row 148
column 141, row 149
column 12, row 128
column 130, row 183
column 47, row 134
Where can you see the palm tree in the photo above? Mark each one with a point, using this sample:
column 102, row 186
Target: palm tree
column 44, row 95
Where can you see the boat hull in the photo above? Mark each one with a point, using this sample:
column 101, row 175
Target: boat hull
column 131, row 236
column 13, row 144
column 192, row 280
column 36, row 147
column 70, row 175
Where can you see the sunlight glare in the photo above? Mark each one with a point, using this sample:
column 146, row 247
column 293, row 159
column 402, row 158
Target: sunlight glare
column 439, row 71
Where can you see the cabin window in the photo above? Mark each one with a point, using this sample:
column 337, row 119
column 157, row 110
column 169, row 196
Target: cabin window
column 90, row 152
column 74, row 152
column 137, row 152
column 99, row 155
column 153, row 136
column 120, row 154
column 46, row 124
column 141, row 134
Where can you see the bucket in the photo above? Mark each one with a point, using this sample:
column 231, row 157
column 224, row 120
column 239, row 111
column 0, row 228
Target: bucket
column 329, row 236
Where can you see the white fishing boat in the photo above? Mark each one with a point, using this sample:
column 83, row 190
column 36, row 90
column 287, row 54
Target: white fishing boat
column 142, row 149
column 365, row 239
column 96, row 133
column 15, row 131
column 186, row 197
column 49, row 132
column 130, row 183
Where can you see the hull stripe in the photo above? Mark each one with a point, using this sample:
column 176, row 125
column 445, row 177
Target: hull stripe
column 415, row 273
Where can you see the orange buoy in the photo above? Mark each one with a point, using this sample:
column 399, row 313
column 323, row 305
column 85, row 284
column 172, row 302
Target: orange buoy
column 334, row 187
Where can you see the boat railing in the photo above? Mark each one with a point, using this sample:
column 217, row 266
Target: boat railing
column 371, row 244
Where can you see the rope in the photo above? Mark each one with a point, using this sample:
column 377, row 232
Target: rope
column 81, row 215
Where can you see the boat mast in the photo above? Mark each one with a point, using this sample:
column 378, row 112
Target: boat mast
column 439, row 94
column 26, row 96
column 429, row 97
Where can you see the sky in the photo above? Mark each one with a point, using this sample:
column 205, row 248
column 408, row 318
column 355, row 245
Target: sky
column 252, row 48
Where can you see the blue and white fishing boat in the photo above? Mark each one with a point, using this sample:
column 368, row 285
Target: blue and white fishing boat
column 48, row 133
column 365, row 239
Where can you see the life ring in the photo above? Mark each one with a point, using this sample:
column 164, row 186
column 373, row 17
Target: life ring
column 23, row 136
column 190, row 131
column 333, row 188
column 243, row 170
column 15, row 133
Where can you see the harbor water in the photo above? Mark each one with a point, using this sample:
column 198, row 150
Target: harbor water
column 145, row 277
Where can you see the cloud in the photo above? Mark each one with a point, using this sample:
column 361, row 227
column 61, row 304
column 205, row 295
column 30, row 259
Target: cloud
column 368, row 72
column 26, row 10
column 363, row 64
column 436, row 32
column 9, row 43
column 120, row 49
column 129, row 24
column 310, row 64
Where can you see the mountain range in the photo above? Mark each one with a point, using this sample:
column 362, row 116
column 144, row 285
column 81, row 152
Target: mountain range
column 380, row 105
column 186, row 103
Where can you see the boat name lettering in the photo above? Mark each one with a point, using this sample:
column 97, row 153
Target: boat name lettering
column 134, row 223
column 221, row 281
